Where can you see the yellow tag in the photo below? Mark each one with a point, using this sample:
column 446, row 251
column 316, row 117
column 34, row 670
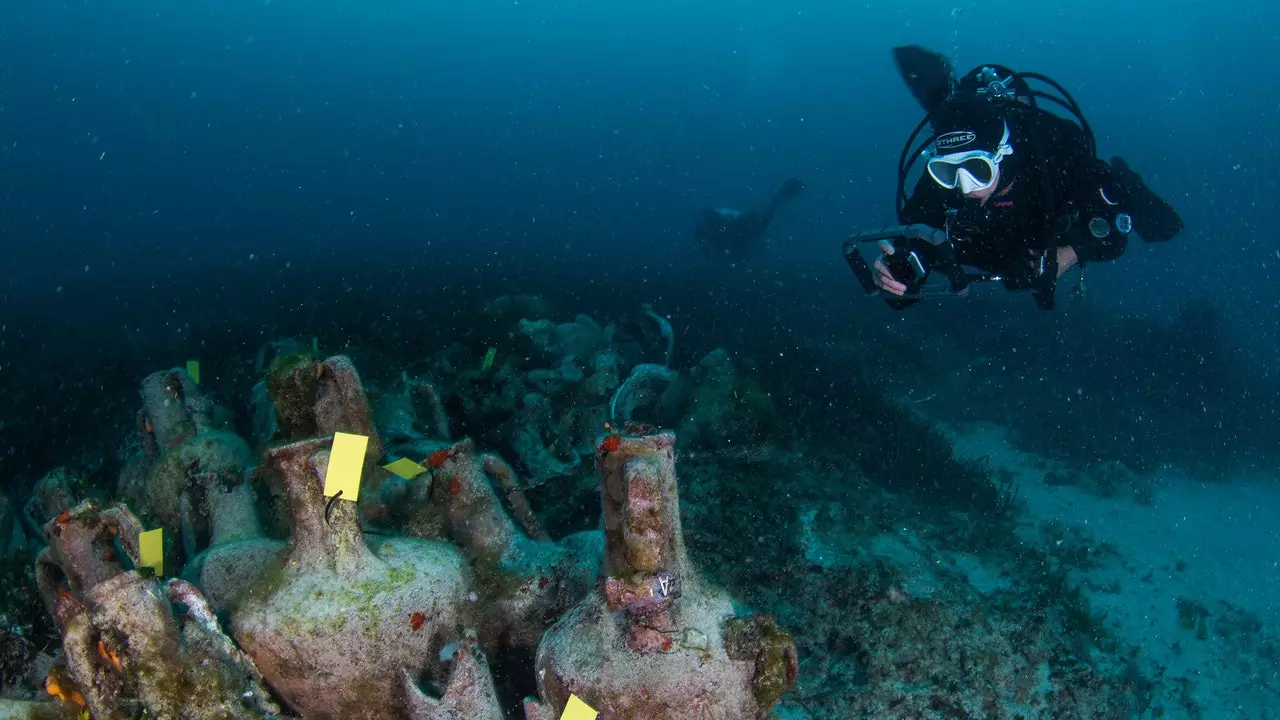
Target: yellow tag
column 151, row 550
column 578, row 710
column 193, row 369
column 346, row 460
column 489, row 357
column 405, row 468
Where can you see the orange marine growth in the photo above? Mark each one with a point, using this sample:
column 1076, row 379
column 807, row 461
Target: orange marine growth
column 439, row 457
column 455, row 485
column 106, row 654
column 65, row 694
column 416, row 619
column 611, row 443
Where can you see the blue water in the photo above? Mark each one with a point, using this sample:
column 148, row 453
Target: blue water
column 178, row 177
column 181, row 179
column 155, row 143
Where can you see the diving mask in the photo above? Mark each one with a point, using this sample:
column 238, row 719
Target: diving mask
column 970, row 170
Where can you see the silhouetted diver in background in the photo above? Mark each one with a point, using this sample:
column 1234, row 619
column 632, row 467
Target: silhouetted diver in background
column 730, row 232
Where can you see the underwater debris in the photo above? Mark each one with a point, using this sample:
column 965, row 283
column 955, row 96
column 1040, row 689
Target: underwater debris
column 469, row 693
column 645, row 335
column 336, row 613
column 56, row 492
column 727, row 407
column 75, row 560
column 400, row 422
column 543, row 400
column 174, row 408
column 186, row 447
column 600, row 630
column 239, row 552
column 523, row 580
column 499, row 470
column 125, row 648
column 621, row 649
column 643, row 387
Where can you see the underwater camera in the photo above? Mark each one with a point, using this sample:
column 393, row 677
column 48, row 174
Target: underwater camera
column 919, row 250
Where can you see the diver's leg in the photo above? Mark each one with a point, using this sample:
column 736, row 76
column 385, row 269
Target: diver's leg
column 928, row 75
column 788, row 191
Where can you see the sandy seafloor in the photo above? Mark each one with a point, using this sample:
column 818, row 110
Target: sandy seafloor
column 1217, row 545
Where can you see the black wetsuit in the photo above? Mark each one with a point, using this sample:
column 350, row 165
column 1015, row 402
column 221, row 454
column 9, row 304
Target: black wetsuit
column 1050, row 188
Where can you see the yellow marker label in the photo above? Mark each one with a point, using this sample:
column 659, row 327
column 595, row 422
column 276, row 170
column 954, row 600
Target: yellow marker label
column 489, row 357
column 578, row 710
column 405, row 468
column 151, row 550
column 315, row 345
column 193, row 369
column 346, row 460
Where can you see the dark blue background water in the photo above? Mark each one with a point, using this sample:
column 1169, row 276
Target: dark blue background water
column 176, row 175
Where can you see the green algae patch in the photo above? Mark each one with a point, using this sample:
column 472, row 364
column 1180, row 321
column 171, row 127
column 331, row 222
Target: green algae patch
column 1193, row 616
column 758, row 639
column 266, row 584
column 493, row 581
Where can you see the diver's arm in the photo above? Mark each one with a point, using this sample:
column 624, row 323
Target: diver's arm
column 1082, row 188
column 1103, row 206
column 926, row 206
column 1153, row 218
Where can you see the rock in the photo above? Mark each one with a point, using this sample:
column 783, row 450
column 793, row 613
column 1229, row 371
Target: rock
column 7, row 524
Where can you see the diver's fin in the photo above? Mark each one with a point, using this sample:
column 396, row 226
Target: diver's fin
column 928, row 75
column 1154, row 218
column 790, row 190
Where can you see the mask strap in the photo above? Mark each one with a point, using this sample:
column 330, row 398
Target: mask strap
column 1005, row 149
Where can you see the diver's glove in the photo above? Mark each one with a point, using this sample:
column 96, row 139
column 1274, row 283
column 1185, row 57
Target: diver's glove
column 1154, row 219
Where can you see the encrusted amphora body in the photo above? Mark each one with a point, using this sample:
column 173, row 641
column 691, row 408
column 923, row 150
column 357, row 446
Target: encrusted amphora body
column 341, row 627
column 654, row 641
column 238, row 552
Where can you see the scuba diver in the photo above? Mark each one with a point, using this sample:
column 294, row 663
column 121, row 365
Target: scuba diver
column 731, row 232
column 1009, row 188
